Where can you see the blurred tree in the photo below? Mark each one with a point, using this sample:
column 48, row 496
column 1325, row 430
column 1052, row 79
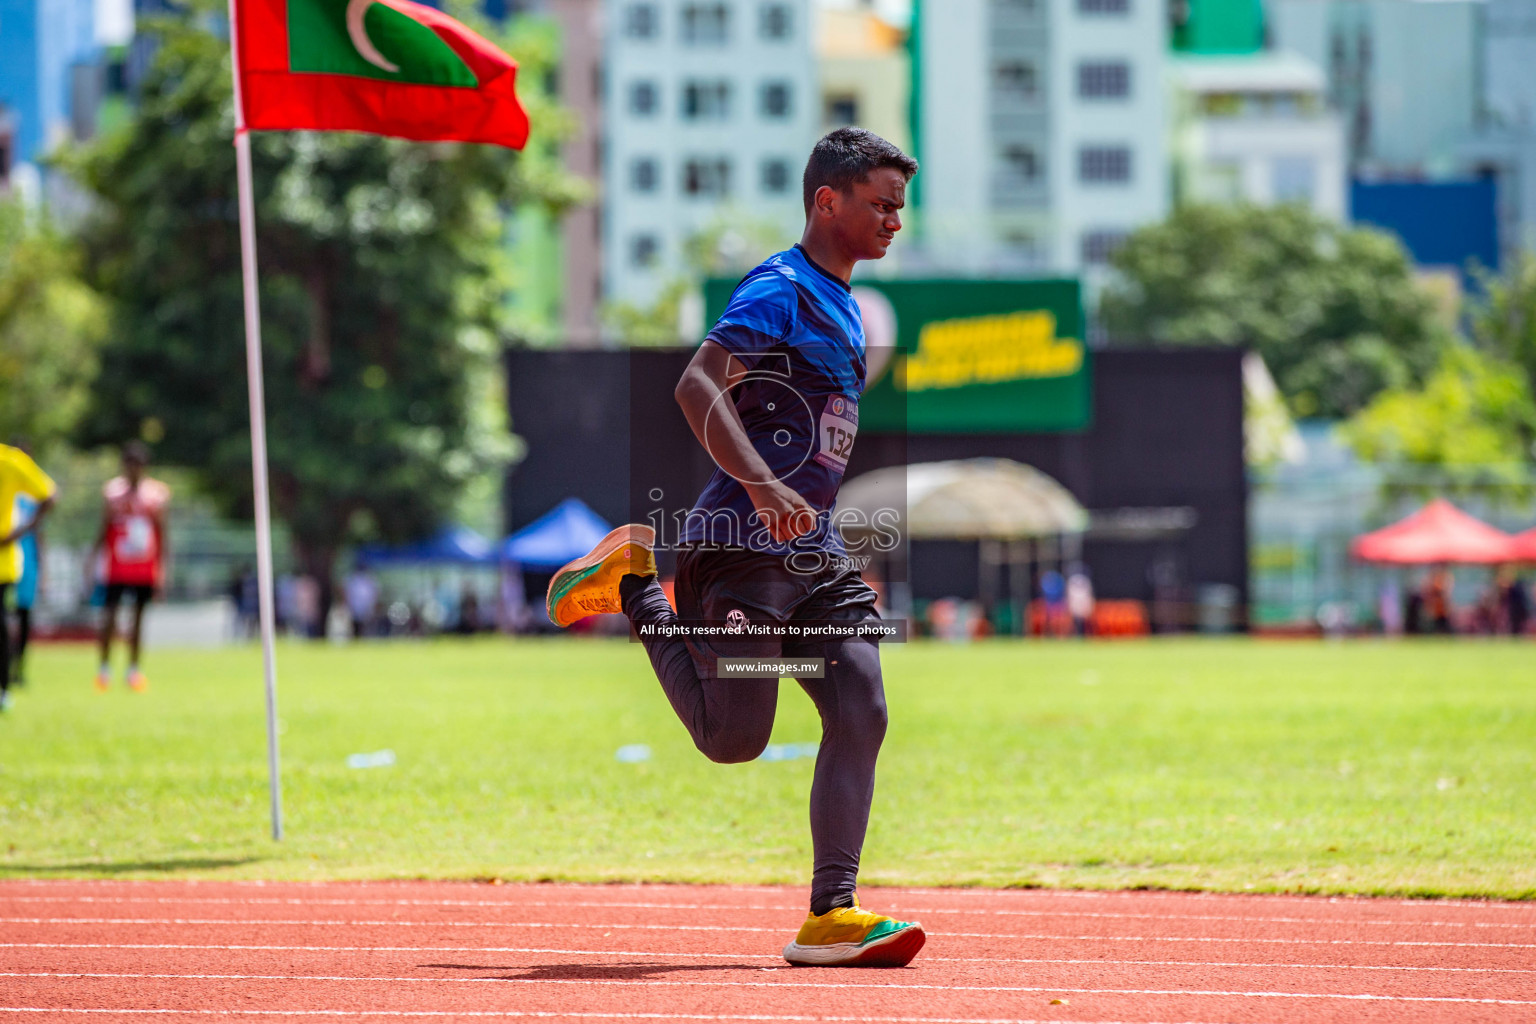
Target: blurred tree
column 1334, row 311
column 1504, row 318
column 384, row 284
column 1474, row 418
column 50, row 325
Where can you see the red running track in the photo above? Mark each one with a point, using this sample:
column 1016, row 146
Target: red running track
column 390, row 951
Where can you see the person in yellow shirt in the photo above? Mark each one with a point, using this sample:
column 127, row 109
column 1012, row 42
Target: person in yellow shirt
column 19, row 475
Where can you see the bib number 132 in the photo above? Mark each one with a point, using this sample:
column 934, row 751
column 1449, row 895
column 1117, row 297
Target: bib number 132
column 839, row 424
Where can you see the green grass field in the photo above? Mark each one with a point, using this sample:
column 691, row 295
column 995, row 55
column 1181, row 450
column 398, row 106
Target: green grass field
column 1405, row 768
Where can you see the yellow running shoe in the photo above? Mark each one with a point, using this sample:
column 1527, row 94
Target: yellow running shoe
column 103, row 681
column 590, row 585
column 853, row 937
column 137, row 681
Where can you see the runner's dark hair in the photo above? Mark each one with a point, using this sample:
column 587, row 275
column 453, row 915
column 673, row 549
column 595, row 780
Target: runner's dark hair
column 848, row 155
column 136, row 451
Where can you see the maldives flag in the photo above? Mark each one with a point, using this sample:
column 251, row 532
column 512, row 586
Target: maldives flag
column 389, row 67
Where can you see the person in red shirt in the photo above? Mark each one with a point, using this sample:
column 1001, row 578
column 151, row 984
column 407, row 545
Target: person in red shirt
column 134, row 538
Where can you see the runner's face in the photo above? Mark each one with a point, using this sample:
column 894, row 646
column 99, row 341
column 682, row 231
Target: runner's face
column 869, row 215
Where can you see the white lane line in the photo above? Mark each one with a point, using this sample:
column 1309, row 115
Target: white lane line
column 389, row 949
column 568, row 925
column 891, row 986
column 783, row 907
column 1228, row 963
column 568, row 1015
column 750, row 956
column 979, row 892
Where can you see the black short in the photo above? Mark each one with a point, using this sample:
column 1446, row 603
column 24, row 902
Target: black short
column 716, row 585
column 141, row 592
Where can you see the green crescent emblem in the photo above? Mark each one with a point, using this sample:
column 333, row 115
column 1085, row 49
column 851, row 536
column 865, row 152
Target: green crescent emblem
column 368, row 39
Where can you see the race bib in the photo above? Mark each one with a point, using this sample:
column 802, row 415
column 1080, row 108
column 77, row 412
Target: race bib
column 133, row 545
column 839, row 424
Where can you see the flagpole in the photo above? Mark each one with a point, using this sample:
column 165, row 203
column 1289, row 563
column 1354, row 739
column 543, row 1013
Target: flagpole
column 258, row 426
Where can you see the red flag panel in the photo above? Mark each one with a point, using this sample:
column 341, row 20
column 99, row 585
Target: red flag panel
column 380, row 37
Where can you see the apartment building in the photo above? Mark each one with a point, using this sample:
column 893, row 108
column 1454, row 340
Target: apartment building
column 1257, row 128
column 710, row 109
column 1042, row 130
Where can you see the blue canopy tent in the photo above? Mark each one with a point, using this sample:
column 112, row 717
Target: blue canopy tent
column 567, row 531
column 454, row 545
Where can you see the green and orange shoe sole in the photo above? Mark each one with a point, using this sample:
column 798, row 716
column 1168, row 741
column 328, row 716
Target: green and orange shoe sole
column 590, row 584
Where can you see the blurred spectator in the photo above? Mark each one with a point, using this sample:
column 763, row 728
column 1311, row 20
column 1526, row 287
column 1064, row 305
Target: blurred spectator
column 362, row 600
column 952, row 619
column 469, row 612
column 1053, row 592
column 1168, row 599
column 286, row 601
column 1488, row 613
column 306, row 606
column 1413, row 612
column 1080, row 600
column 245, row 596
column 513, row 611
column 1514, row 601
column 1436, row 594
column 1390, row 607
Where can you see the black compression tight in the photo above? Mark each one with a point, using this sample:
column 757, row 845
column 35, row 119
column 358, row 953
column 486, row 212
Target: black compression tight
column 730, row 722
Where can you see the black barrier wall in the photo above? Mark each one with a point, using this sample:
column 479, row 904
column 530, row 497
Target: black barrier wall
column 1161, row 464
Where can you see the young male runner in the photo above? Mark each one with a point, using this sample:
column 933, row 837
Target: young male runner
column 133, row 534
column 772, row 394
column 19, row 477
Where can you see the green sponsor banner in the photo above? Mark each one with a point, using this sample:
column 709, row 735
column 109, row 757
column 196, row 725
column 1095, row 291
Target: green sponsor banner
column 970, row 356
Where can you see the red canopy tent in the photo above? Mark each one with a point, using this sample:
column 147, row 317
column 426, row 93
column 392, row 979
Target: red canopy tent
column 1438, row 532
column 1525, row 546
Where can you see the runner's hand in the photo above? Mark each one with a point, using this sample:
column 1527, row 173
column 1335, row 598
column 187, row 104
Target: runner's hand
column 783, row 512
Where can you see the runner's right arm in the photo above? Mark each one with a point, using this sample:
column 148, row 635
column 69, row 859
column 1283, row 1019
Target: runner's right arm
column 703, row 394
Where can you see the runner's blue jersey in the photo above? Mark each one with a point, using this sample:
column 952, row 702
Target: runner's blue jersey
column 797, row 330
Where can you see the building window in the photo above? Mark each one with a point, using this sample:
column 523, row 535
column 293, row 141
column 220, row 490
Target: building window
column 1103, row 165
column 644, row 98
column 1100, row 246
column 1016, row 78
column 776, row 176
column 841, row 111
column 706, row 24
column 645, row 174
column 707, row 178
column 1103, row 6
column 1294, row 179
column 774, row 21
column 1021, row 246
column 642, row 21
column 644, row 250
column 1021, row 163
column 707, row 101
column 776, row 99
column 1103, row 80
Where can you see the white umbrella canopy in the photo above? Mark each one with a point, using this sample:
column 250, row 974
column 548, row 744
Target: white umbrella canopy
column 963, row 499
